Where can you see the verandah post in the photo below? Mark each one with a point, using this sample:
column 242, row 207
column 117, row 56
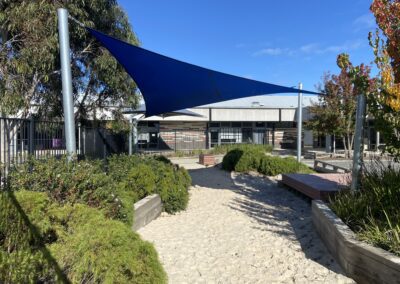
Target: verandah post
column 299, row 122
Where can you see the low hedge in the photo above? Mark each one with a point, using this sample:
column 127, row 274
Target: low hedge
column 272, row 166
column 223, row 149
column 244, row 160
column 112, row 188
column 43, row 241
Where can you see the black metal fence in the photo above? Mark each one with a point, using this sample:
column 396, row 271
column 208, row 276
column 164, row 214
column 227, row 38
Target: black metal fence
column 21, row 138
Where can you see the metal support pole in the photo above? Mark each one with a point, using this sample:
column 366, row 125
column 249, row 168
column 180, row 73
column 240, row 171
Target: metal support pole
column 299, row 122
column 377, row 140
column 358, row 142
column 79, row 150
column 68, row 104
column 31, row 137
column 328, row 143
column 133, row 137
column 130, row 138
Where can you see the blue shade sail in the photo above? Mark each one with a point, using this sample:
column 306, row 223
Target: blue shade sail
column 168, row 84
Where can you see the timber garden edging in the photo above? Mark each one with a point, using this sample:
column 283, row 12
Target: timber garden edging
column 360, row 261
column 146, row 210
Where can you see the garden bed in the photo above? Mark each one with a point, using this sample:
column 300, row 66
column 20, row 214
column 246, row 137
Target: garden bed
column 360, row 261
column 72, row 220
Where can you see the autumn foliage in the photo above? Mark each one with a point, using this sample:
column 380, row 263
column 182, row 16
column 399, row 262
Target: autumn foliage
column 385, row 103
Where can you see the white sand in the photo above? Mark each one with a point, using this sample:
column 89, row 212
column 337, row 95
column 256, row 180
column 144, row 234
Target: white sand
column 241, row 229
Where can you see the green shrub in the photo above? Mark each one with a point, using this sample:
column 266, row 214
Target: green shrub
column 254, row 159
column 140, row 179
column 118, row 166
column 75, row 181
column 22, row 257
column 373, row 212
column 272, row 166
column 126, row 180
column 242, row 159
column 79, row 240
column 222, row 149
column 141, row 176
column 249, row 160
column 176, row 197
column 231, row 159
column 172, row 185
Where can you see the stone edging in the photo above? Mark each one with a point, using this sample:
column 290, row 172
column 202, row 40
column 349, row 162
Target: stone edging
column 146, row 210
column 360, row 261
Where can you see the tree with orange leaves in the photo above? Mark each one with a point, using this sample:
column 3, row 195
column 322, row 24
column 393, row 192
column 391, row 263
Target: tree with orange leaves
column 384, row 104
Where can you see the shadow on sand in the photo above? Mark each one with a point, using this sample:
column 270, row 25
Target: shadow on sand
column 275, row 209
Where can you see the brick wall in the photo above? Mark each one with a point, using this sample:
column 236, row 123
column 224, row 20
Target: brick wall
column 183, row 135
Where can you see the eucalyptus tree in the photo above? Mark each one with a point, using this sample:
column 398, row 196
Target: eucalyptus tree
column 29, row 58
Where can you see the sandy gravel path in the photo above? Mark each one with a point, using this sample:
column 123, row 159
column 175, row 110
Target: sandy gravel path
column 241, row 229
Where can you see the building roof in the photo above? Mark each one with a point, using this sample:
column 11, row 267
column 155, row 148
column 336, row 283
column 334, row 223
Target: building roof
column 268, row 101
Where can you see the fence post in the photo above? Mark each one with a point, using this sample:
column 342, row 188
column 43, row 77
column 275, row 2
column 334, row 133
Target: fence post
column 130, row 138
column 79, row 150
column 31, row 138
column 273, row 136
column 133, row 136
column 175, row 140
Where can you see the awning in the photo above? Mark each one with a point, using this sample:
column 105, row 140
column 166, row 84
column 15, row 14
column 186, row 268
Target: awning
column 142, row 110
column 168, row 84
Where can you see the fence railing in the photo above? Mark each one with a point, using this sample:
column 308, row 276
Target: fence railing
column 22, row 138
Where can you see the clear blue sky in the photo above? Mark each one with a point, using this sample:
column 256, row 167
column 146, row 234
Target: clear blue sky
column 281, row 42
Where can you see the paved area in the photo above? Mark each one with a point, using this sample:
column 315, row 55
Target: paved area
column 241, row 229
column 347, row 163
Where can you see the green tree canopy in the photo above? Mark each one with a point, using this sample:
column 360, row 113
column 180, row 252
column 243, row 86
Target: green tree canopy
column 29, row 58
column 334, row 113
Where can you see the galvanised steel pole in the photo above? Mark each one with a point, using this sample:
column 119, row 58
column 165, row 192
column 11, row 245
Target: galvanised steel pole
column 68, row 104
column 358, row 142
column 299, row 122
column 130, row 138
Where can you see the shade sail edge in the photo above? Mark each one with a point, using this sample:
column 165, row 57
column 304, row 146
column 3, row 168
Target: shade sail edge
column 169, row 85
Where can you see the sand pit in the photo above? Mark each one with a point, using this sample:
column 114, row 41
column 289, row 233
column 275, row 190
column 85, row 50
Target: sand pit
column 241, row 229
